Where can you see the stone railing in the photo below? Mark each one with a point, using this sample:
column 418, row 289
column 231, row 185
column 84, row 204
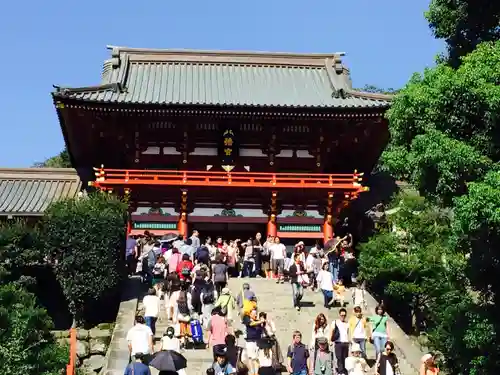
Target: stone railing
column 91, row 346
column 117, row 356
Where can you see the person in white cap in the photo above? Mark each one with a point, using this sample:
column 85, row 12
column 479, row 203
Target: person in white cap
column 355, row 364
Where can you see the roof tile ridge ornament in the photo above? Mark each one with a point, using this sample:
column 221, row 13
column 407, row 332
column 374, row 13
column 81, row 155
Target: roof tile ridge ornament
column 113, row 86
column 337, row 92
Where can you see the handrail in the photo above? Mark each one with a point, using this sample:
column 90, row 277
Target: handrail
column 222, row 173
column 110, row 177
column 70, row 368
column 229, row 176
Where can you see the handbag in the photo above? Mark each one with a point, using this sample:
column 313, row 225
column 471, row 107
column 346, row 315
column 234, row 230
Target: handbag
column 336, row 333
column 304, row 280
column 241, row 367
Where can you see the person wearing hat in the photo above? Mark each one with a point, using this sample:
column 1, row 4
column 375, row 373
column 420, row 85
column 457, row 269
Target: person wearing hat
column 221, row 365
column 299, row 249
column 429, row 366
column 246, row 294
column 226, row 303
column 322, row 361
column 355, row 364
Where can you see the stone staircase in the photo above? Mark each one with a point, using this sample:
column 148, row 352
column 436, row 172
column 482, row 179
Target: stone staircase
column 276, row 300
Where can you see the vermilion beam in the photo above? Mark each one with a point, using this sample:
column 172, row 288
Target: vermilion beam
column 114, row 177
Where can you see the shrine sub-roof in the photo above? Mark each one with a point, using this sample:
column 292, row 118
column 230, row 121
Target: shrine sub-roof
column 224, row 78
column 29, row 191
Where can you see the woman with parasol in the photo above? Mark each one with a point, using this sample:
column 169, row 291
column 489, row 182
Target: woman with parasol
column 168, row 362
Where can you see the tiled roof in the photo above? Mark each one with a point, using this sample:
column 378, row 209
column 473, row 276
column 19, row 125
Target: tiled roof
column 254, row 79
column 28, row 192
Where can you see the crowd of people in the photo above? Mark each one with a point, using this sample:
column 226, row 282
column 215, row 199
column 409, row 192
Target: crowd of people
column 190, row 280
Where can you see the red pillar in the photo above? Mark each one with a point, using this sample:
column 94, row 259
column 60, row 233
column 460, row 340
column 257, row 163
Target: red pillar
column 182, row 227
column 271, row 226
column 327, row 229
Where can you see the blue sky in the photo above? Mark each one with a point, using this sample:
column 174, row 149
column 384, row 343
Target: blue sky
column 63, row 42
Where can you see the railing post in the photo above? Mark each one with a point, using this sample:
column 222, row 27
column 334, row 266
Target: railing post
column 70, row 368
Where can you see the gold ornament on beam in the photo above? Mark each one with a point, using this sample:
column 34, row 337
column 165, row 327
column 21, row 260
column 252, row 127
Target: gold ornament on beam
column 228, row 168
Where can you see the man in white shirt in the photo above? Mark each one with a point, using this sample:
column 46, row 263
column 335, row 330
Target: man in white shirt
column 278, row 255
column 140, row 338
column 340, row 339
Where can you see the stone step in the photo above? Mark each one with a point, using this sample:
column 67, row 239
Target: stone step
column 276, row 300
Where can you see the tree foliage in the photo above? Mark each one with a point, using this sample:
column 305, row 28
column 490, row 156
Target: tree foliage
column 477, row 233
column 378, row 90
column 19, row 251
column 464, row 24
column 26, row 343
column 61, row 160
column 85, row 238
column 445, row 140
column 405, row 262
column 445, row 125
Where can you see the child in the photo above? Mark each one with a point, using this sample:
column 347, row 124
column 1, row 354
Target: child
column 339, row 289
column 159, row 270
column 169, row 341
column 358, row 296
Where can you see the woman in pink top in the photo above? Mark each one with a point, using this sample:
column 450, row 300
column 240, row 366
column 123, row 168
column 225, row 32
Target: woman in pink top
column 217, row 329
column 174, row 260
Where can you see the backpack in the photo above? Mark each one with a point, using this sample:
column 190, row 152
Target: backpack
column 202, row 254
column 208, row 295
column 185, row 270
column 195, row 295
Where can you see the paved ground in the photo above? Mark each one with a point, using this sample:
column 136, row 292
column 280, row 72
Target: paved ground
column 275, row 299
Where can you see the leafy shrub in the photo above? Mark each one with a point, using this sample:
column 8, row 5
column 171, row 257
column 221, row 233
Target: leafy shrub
column 85, row 239
column 26, row 344
column 19, row 251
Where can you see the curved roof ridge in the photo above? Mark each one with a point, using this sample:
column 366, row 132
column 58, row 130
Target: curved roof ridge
column 167, row 51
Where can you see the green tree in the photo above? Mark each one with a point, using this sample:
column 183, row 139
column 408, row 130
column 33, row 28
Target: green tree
column 405, row 263
column 62, row 160
column 85, row 238
column 477, row 233
column 467, row 331
column 26, row 343
column 438, row 166
column 464, row 24
column 454, row 112
column 20, row 250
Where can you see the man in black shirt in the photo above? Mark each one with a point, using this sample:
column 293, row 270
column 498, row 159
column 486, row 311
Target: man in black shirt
column 297, row 356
